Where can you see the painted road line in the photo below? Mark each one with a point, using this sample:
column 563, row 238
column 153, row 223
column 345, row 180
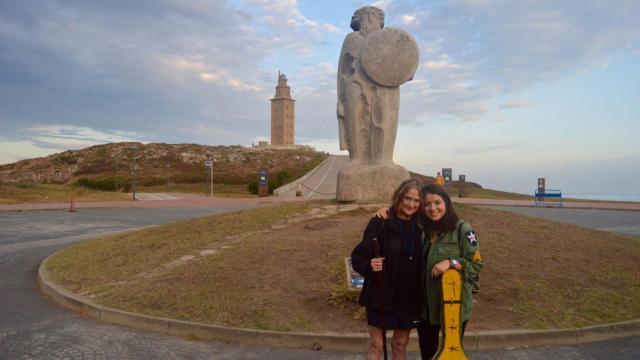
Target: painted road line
column 333, row 160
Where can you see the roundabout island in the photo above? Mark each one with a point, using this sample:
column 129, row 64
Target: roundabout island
column 274, row 276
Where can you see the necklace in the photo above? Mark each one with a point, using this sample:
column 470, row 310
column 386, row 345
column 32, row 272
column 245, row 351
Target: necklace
column 408, row 244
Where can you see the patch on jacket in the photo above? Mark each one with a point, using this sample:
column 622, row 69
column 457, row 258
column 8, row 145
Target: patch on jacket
column 471, row 236
column 477, row 257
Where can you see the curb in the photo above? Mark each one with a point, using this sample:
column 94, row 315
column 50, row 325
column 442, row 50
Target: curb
column 344, row 342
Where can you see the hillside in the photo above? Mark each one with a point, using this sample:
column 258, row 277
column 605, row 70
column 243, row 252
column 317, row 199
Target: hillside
column 160, row 164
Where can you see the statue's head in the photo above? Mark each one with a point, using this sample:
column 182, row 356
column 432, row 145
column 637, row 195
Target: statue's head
column 367, row 19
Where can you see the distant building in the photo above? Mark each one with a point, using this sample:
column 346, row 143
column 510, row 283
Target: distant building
column 282, row 114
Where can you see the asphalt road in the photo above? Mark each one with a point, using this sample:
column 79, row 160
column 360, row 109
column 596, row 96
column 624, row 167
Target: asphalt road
column 321, row 183
column 620, row 221
column 31, row 327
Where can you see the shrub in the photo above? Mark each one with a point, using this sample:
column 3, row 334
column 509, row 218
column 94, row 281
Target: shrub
column 275, row 181
column 97, row 184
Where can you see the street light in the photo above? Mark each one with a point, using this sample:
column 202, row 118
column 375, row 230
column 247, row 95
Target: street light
column 134, row 151
column 209, row 164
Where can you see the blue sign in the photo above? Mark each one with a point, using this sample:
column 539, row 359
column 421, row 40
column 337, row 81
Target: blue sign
column 262, row 177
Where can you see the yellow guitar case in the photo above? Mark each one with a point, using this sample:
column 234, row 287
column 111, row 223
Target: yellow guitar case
column 451, row 317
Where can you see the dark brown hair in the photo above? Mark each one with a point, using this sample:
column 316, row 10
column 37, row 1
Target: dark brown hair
column 403, row 189
column 449, row 220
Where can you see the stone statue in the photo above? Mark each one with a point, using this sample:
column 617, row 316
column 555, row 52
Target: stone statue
column 373, row 63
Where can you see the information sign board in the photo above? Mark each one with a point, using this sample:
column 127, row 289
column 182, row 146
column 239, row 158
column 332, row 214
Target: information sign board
column 447, row 174
column 263, row 183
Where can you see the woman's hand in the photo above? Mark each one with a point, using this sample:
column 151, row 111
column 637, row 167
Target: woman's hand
column 382, row 213
column 376, row 264
column 440, row 268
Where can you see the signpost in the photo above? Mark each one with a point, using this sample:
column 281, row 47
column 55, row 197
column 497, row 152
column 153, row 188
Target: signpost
column 209, row 164
column 263, row 183
column 541, row 185
column 134, row 151
column 447, row 174
column 541, row 188
column 117, row 180
column 462, row 186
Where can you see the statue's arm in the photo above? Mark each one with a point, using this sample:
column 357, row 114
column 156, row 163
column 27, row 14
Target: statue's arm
column 341, row 83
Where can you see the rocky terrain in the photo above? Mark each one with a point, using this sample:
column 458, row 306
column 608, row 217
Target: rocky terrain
column 159, row 164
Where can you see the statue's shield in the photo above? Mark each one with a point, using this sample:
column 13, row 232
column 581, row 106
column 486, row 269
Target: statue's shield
column 390, row 57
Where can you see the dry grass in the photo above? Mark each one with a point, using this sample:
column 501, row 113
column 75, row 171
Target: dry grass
column 538, row 274
column 41, row 193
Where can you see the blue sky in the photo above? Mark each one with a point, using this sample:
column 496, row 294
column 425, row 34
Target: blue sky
column 505, row 92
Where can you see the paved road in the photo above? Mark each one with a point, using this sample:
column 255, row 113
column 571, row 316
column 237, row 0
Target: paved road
column 321, row 183
column 623, row 222
column 33, row 328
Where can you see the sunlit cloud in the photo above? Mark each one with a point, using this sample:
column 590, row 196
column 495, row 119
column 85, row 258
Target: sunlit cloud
column 13, row 151
column 75, row 137
column 409, row 20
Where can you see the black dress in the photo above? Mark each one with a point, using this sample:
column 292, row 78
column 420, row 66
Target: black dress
column 401, row 247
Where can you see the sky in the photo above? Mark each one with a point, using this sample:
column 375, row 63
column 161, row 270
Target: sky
column 505, row 92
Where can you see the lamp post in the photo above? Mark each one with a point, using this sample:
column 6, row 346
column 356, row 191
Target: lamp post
column 209, row 164
column 116, row 182
column 134, row 151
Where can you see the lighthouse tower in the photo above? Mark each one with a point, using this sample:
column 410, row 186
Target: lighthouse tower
column 282, row 114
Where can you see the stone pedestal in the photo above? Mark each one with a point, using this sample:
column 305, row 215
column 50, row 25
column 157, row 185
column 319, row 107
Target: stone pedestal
column 369, row 183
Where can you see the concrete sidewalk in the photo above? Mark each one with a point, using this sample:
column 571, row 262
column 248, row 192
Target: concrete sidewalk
column 601, row 205
column 180, row 200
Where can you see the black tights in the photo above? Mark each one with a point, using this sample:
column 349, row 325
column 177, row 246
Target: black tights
column 428, row 337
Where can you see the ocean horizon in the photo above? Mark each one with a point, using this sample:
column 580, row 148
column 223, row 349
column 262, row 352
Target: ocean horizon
column 611, row 197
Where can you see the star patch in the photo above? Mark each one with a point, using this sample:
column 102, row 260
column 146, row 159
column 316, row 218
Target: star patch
column 477, row 257
column 472, row 237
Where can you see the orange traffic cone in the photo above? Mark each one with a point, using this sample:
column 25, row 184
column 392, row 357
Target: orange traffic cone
column 72, row 206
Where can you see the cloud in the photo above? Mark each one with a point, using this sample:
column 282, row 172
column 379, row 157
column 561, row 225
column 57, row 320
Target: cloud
column 514, row 104
column 475, row 51
column 13, row 151
column 292, row 30
column 42, row 140
column 168, row 70
column 76, row 137
column 410, row 20
column 482, row 149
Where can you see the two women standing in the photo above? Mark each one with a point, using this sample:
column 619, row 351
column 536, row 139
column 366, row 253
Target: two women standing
column 413, row 262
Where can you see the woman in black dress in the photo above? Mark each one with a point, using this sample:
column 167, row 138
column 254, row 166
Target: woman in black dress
column 399, row 262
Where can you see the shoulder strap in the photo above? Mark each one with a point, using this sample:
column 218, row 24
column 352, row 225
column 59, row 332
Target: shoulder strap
column 460, row 238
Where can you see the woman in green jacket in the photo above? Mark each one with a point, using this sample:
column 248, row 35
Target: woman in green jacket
column 448, row 242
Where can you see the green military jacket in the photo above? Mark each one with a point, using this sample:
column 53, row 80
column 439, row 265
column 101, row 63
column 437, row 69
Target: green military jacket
column 466, row 251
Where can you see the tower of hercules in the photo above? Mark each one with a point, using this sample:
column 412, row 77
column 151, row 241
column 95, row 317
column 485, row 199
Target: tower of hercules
column 282, row 114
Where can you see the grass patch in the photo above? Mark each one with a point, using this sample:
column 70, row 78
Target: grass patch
column 538, row 274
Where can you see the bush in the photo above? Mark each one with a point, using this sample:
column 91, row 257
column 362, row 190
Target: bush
column 153, row 181
column 97, row 184
column 21, row 185
column 275, row 181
